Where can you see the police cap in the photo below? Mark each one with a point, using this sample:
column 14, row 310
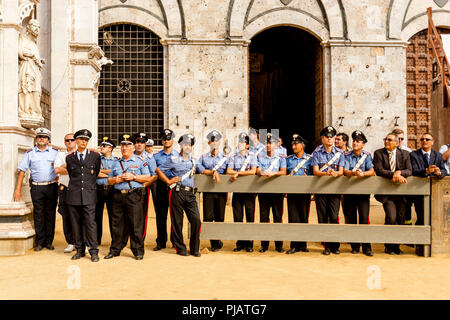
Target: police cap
column 43, row 132
column 150, row 142
column 358, row 135
column 187, row 138
column 328, row 131
column 243, row 137
column 83, row 134
column 167, row 134
column 296, row 138
column 272, row 138
column 214, row 135
column 108, row 142
column 139, row 137
column 125, row 139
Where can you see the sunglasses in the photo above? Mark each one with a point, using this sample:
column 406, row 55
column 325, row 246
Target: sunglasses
column 425, row 139
column 388, row 139
column 41, row 137
column 401, row 139
column 69, row 140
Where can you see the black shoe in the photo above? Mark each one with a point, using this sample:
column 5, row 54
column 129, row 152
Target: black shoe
column 95, row 258
column 78, row 255
column 38, row 248
column 139, row 257
column 185, row 254
column 196, row 254
column 263, row 249
column 110, row 255
column 248, row 249
column 280, row 250
column 237, row 249
column 398, row 252
column 291, row 251
column 214, row 249
column 335, row 251
column 50, row 247
column 303, row 250
column 157, row 248
column 354, row 251
column 368, row 253
column 419, row 250
column 386, row 250
column 326, row 252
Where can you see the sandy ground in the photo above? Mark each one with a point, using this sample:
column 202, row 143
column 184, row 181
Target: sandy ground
column 225, row 274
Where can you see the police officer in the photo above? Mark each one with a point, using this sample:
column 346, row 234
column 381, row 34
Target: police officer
column 44, row 188
column 243, row 163
column 215, row 164
column 255, row 144
column 182, row 195
column 161, row 197
column 358, row 163
column 298, row 164
column 327, row 160
column 104, row 194
column 270, row 165
column 63, row 207
column 128, row 176
column 140, row 143
column 149, row 146
column 83, row 167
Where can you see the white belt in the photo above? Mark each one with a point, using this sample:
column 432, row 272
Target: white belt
column 43, row 183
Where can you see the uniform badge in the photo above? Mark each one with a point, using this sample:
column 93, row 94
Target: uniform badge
column 52, row 164
column 92, row 172
column 61, row 187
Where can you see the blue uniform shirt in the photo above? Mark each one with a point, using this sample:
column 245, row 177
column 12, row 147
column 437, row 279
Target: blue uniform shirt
column 40, row 163
column 177, row 166
column 134, row 165
column 256, row 148
column 264, row 162
column 208, row 161
column 351, row 160
column 281, row 151
column 320, row 157
column 237, row 161
column 151, row 162
column 106, row 164
column 292, row 161
column 161, row 157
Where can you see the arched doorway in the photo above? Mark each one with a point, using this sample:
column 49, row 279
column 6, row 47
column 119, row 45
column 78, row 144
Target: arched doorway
column 286, row 83
column 131, row 89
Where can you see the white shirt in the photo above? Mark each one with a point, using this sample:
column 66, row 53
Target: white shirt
column 394, row 156
column 59, row 161
column 83, row 153
column 443, row 149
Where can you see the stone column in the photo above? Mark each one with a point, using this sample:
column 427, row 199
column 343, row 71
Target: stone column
column 16, row 226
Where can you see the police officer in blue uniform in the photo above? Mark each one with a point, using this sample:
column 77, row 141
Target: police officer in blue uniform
column 256, row 146
column 140, row 142
column 215, row 164
column 104, row 190
column 128, row 176
column 243, row 163
column 298, row 164
column 270, row 165
column 358, row 163
column 327, row 160
column 161, row 196
column 83, row 167
column 44, row 188
column 182, row 168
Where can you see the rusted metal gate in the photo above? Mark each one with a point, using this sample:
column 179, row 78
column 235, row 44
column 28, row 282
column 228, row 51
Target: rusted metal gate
column 418, row 92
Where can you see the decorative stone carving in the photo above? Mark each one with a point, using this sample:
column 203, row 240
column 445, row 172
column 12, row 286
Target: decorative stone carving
column 98, row 60
column 30, row 65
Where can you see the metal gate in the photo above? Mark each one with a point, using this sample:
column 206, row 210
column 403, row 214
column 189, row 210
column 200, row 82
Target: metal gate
column 131, row 90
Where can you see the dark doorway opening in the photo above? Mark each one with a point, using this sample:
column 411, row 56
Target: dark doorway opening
column 286, row 84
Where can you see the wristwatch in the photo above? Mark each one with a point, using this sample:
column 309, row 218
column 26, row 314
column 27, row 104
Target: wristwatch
column 134, row 176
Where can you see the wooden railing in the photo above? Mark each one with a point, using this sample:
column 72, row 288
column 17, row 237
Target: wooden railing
column 319, row 232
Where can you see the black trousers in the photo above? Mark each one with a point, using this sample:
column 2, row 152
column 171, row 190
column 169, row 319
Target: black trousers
column 145, row 200
column 214, row 210
column 45, row 199
column 104, row 196
column 84, row 227
column 394, row 209
column 240, row 202
column 327, row 206
column 161, row 204
column 266, row 202
column 180, row 201
column 127, row 221
column 352, row 206
column 63, row 209
column 298, row 212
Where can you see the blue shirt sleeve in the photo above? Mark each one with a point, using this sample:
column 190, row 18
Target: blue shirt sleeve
column 24, row 164
column 282, row 162
column 199, row 168
column 347, row 163
column 369, row 162
column 151, row 165
column 166, row 165
column 342, row 160
column 314, row 159
column 253, row 162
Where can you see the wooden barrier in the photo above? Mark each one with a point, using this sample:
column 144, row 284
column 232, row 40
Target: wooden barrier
column 319, row 232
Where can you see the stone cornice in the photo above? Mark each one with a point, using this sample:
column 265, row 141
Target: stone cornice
column 349, row 43
column 206, row 42
column 17, row 130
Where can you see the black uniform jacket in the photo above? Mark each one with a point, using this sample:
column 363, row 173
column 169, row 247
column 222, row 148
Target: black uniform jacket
column 82, row 188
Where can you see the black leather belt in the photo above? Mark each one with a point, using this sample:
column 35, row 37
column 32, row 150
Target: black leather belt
column 189, row 189
column 103, row 186
column 129, row 190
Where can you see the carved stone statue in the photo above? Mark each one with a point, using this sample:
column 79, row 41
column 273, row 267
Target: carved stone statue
column 30, row 65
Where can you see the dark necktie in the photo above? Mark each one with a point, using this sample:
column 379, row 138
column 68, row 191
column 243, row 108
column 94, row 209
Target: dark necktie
column 427, row 158
column 81, row 158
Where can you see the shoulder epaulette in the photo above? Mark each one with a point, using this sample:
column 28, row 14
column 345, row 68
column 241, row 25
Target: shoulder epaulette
column 289, row 156
column 141, row 158
column 366, row 152
column 29, row 150
column 145, row 163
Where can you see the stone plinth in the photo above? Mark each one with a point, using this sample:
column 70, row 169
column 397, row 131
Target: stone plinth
column 440, row 216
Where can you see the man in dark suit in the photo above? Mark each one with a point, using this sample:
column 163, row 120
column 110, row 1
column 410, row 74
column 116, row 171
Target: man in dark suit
column 83, row 167
column 393, row 163
column 425, row 163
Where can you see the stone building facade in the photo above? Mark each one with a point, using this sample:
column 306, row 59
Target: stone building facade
column 221, row 64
